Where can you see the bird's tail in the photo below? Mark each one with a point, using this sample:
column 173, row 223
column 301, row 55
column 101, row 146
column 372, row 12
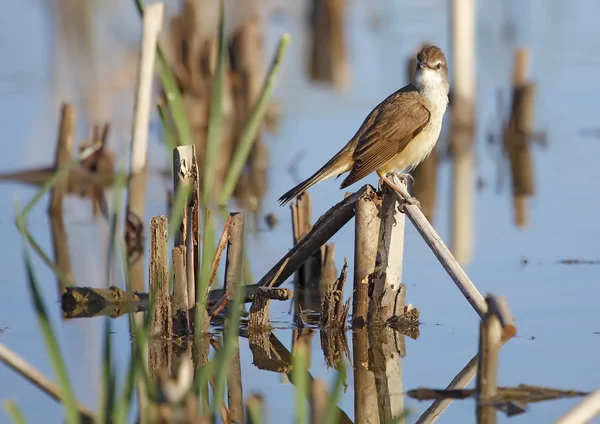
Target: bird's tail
column 339, row 164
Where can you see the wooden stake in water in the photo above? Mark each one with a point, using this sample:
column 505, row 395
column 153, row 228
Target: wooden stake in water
column 180, row 294
column 497, row 325
column 365, row 252
column 160, row 322
column 387, row 299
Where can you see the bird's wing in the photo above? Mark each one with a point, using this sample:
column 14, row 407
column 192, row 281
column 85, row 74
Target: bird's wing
column 387, row 131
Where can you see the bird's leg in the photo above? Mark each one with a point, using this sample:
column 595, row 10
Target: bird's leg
column 410, row 200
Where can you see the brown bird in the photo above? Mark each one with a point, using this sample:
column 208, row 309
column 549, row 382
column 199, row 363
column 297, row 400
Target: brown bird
column 398, row 134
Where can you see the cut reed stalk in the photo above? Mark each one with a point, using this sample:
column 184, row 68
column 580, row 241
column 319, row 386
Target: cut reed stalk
column 366, row 240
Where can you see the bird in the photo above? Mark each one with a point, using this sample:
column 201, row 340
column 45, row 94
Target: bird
column 397, row 135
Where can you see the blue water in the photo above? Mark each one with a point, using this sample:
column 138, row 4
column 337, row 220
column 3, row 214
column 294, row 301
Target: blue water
column 555, row 305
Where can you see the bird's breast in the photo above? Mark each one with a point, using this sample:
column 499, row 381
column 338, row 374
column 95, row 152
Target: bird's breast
column 417, row 149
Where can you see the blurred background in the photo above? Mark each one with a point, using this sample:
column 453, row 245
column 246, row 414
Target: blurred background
column 511, row 187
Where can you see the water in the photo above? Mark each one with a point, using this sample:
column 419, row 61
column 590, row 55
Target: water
column 555, row 305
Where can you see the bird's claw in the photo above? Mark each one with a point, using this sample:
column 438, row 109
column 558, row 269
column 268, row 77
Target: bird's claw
column 405, row 177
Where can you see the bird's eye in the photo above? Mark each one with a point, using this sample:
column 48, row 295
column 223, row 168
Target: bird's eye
column 438, row 66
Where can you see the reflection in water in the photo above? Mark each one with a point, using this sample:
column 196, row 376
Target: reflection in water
column 517, row 136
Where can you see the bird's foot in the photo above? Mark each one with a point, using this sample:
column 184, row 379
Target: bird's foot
column 408, row 199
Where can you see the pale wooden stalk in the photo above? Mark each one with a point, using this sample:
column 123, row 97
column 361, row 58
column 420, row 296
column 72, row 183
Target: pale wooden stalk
column 151, row 27
column 583, row 412
column 463, row 121
column 366, row 235
column 452, row 267
column 136, row 188
column 21, row 367
column 386, row 300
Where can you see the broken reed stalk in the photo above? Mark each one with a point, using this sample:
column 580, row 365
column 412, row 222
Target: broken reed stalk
column 325, row 227
column 435, row 243
column 585, row 411
column 496, row 325
column 136, row 188
column 161, row 319
column 180, row 292
column 389, row 292
column 64, row 147
column 334, row 312
column 185, row 177
column 219, row 252
column 367, row 226
column 21, row 367
column 233, row 262
column 259, row 318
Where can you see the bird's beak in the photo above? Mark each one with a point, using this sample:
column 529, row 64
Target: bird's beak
column 424, row 65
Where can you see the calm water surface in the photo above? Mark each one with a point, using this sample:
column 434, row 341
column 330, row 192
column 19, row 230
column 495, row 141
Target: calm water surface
column 555, row 305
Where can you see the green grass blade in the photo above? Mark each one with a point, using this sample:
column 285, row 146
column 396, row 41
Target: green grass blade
column 332, row 412
column 215, row 120
column 170, row 138
column 300, row 378
column 179, row 204
column 14, row 412
column 174, row 99
column 50, row 340
column 60, row 173
column 172, row 92
column 62, row 277
column 252, row 125
column 123, row 404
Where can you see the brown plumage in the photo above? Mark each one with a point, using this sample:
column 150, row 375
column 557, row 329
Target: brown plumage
column 398, row 133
